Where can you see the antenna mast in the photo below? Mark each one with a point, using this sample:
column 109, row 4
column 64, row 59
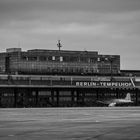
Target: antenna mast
column 59, row 45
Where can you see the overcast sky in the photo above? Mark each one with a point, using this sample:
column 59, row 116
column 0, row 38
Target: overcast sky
column 106, row 26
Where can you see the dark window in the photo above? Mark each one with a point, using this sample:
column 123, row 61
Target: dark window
column 57, row 58
column 73, row 59
column 66, row 59
column 42, row 58
column 24, row 58
column 84, row 59
column 93, row 60
column 32, row 58
column 50, row 58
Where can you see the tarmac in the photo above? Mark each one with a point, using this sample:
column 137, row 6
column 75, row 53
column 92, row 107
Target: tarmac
column 92, row 123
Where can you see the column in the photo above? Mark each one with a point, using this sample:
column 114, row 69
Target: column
column 57, row 98
column 83, row 98
column 36, row 98
column 136, row 92
column 72, row 98
column 117, row 93
column 52, row 97
column 97, row 94
column 15, row 97
column 77, row 100
column 0, row 99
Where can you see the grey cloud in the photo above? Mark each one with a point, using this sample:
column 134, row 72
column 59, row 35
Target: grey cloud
column 108, row 26
column 69, row 5
column 63, row 10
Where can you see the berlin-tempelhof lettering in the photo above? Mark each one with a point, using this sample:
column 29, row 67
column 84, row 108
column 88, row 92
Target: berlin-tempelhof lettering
column 106, row 84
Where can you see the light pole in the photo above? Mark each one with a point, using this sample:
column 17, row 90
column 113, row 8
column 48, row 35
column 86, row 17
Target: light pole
column 111, row 62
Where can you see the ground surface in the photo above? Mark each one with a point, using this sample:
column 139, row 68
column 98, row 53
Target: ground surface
column 117, row 123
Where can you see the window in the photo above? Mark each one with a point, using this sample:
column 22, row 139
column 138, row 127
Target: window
column 32, row 58
column 83, row 59
column 53, row 58
column 106, row 59
column 98, row 59
column 66, row 59
column 61, row 58
column 93, row 60
column 57, row 58
column 24, row 58
column 50, row 58
column 73, row 59
column 42, row 58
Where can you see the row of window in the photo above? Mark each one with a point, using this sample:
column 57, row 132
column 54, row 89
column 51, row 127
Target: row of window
column 65, row 59
column 70, row 70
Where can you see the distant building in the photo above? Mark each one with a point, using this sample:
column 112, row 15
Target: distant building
column 62, row 78
column 39, row 61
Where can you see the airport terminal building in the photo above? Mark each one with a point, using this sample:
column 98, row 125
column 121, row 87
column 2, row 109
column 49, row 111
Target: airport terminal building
column 63, row 78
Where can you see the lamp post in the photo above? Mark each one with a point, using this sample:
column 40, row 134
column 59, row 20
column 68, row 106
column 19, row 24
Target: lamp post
column 111, row 62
